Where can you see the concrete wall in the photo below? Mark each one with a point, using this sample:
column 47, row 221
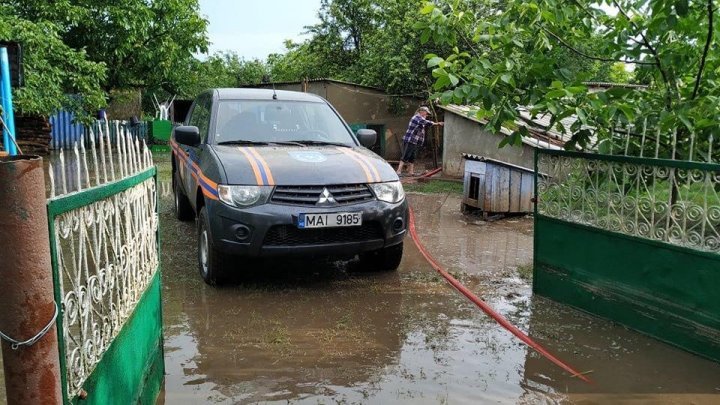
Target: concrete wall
column 368, row 106
column 462, row 135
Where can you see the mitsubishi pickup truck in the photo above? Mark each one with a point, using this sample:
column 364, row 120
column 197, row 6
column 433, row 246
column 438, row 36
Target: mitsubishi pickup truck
column 270, row 173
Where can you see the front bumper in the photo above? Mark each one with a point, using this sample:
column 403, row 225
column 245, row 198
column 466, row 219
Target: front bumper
column 271, row 229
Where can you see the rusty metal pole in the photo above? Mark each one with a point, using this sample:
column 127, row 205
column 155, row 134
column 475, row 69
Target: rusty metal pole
column 27, row 304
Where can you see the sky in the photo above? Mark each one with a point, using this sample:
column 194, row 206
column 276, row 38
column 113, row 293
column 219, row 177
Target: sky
column 256, row 28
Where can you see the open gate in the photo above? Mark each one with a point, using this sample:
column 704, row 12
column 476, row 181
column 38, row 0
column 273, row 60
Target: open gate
column 105, row 263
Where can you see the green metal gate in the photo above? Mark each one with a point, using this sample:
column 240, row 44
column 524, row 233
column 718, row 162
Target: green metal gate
column 104, row 247
column 635, row 240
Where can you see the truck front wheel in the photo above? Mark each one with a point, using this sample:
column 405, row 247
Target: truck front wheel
column 210, row 261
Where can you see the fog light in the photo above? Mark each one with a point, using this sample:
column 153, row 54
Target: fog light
column 398, row 225
column 242, row 232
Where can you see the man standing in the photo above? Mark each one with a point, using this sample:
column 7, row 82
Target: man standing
column 414, row 138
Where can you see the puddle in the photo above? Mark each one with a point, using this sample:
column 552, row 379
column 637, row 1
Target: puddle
column 325, row 334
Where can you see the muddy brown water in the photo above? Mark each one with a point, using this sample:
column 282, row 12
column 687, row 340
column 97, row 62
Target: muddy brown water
column 317, row 332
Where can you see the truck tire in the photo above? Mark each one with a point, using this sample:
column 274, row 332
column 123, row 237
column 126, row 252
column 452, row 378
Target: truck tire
column 210, row 261
column 385, row 259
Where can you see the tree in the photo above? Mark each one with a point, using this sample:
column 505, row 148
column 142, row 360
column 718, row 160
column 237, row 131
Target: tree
column 223, row 69
column 620, row 74
column 52, row 69
column 500, row 60
column 370, row 42
column 142, row 42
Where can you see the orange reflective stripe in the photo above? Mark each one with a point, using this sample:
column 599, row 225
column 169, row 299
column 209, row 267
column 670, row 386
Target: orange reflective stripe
column 208, row 194
column 369, row 163
column 209, row 182
column 271, row 181
column 253, row 164
column 358, row 161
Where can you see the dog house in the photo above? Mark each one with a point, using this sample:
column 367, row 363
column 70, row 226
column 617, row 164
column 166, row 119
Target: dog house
column 496, row 187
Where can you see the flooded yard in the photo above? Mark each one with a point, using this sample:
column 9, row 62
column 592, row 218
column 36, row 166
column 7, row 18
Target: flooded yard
column 316, row 332
column 320, row 332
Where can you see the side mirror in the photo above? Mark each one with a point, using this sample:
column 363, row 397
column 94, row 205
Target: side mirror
column 187, row 135
column 367, row 137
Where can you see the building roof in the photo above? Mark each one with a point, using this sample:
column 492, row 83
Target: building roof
column 541, row 134
column 466, row 111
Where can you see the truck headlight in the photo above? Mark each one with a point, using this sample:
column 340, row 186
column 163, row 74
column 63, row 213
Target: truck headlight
column 391, row 192
column 243, row 196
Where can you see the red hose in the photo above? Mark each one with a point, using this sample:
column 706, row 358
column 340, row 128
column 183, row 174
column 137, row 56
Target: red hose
column 487, row 309
column 432, row 172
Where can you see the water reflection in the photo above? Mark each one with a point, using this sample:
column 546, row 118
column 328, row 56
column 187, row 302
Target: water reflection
column 619, row 360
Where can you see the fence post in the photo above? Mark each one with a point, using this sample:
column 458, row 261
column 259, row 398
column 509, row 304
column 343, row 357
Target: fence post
column 32, row 372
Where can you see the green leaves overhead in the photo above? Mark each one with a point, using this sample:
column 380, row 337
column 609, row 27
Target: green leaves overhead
column 539, row 53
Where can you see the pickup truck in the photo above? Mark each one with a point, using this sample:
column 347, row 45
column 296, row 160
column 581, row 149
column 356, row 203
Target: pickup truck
column 279, row 173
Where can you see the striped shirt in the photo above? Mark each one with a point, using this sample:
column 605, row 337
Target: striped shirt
column 416, row 130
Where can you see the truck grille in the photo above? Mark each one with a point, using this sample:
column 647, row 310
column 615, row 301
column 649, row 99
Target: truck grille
column 345, row 194
column 290, row 235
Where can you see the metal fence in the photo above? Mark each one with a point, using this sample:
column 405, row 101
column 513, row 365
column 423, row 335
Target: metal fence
column 647, row 139
column 104, row 246
column 671, row 201
column 632, row 233
column 65, row 132
column 640, row 181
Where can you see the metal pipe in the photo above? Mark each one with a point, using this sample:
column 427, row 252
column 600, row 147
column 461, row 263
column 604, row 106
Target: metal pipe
column 6, row 91
column 32, row 372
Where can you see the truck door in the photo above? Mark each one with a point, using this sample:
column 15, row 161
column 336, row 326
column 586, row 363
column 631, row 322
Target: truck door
column 199, row 117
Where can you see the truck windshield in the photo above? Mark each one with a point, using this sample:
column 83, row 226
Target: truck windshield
column 279, row 121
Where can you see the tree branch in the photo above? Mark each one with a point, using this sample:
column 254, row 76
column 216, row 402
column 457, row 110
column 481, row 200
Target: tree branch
column 705, row 51
column 653, row 51
column 598, row 58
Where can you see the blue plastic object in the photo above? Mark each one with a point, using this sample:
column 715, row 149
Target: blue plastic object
column 6, row 94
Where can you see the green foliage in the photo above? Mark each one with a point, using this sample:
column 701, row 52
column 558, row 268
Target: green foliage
column 52, row 69
column 223, row 69
column 134, row 44
column 370, row 42
column 620, row 74
column 501, row 57
column 140, row 41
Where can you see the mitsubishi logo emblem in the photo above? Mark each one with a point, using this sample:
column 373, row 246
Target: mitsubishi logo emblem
column 325, row 198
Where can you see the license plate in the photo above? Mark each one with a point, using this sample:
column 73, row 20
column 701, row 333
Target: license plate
column 330, row 220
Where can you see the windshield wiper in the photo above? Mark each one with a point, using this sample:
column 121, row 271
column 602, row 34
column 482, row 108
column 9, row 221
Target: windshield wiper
column 294, row 143
column 311, row 142
column 242, row 142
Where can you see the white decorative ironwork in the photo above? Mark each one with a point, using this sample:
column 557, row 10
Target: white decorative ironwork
column 677, row 204
column 106, row 253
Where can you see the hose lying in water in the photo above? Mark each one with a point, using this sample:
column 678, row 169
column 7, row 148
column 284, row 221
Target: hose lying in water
column 487, row 309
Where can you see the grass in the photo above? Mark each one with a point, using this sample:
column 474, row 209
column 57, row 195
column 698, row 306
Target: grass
column 526, row 272
column 435, row 187
column 162, row 161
